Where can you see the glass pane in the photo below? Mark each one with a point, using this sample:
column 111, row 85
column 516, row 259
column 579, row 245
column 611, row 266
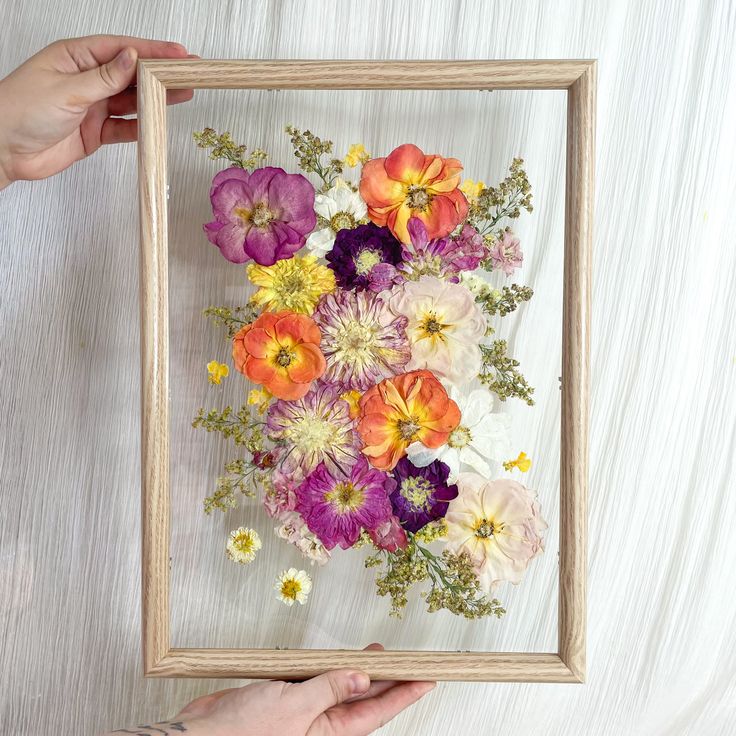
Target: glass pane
column 218, row 603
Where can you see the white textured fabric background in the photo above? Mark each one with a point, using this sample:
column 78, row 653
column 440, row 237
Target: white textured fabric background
column 662, row 623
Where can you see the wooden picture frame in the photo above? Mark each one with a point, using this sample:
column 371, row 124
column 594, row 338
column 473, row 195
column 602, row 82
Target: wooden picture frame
column 578, row 78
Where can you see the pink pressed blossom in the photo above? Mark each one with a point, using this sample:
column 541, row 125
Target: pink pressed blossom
column 264, row 215
column 506, row 253
column 389, row 536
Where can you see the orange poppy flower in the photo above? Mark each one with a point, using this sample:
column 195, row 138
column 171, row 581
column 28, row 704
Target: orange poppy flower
column 411, row 407
column 281, row 352
column 409, row 184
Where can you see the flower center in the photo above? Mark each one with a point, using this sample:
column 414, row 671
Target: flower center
column 417, row 198
column 342, row 221
column 484, row 529
column 365, row 261
column 261, row 215
column 291, row 588
column 355, row 342
column 459, row 437
column 312, row 434
column 243, row 543
column 284, row 357
column 345, row 497
column 431, row 327
column 418, row 492
column 408, row 428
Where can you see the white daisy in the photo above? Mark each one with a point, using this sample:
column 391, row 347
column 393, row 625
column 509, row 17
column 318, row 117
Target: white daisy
column 481, row 440
column 342, row 208
column 293, row 585
column 242, row 545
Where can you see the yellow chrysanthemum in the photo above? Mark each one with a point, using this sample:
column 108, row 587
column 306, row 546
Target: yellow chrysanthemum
column 261, row 398
column 293, row 284
column 523, row 463
column 217, row 371
column 356, row 155
column 471, row 189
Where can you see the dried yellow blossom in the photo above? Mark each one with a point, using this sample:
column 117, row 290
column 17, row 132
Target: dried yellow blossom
column 261, row 398
column 356, row 155
column 472, row 189
column 523, row 463
column 217, row 371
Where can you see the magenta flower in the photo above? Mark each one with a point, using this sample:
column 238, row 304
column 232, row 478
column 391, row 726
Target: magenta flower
column 506, row 253
column 441, row 257
column 264, row 215
column 389, row 536
column 338, row 507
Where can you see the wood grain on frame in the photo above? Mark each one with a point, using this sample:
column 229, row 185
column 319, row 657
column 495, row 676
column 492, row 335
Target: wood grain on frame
column 578, row 78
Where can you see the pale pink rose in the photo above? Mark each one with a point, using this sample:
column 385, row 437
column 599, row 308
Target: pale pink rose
column 295, row 531
column 506, row 253
column 280, row 496
column 498, row 523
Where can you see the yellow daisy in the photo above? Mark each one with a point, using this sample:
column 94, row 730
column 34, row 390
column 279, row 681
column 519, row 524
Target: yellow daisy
column 293, row 585
column 242, row 545
column 293, row 284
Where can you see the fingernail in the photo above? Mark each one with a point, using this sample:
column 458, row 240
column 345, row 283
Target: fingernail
column 359, row 682
column 426, row 687
column 126, row 59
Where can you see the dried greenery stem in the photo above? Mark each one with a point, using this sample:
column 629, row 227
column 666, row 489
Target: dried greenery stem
column 505, row 300
column 232, row 318
column 500, row 374
column 310, row 152
column 222, row 146
column 453, row 582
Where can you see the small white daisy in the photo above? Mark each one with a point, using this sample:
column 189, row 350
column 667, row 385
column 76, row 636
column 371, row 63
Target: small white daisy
column 242, row 545
column 293, row 585
column 342, row 208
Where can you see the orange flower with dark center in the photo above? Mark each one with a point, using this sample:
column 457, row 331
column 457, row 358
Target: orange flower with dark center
column 411, row 407
column 281, row 352
column 409, row 184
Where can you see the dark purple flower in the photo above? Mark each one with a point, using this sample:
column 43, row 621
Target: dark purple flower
column 336, row 508
column 441, row 257
column 265, row 215
column 421, row 494
column 356, row 252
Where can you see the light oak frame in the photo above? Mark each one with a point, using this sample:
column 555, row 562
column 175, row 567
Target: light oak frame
column 578, row 78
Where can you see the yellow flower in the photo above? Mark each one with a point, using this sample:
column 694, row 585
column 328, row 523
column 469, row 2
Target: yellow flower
column 217, row 371
column 523, row 463
column 471, row 189
column 242, row 545
column 293, row 585
column 261, row 398
column 293, row 284
column 431, row 532
column 356, row 155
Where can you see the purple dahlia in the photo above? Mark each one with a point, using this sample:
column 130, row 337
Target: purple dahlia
column 362, row 340
column 336, row 508
column 264, row 215
column 421, row 494
column 358, row 251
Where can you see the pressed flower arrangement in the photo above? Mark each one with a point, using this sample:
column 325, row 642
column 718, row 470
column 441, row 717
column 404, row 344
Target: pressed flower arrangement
column 370, row 337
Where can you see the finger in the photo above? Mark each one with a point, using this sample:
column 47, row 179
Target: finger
column 365, row 716
column 119, row 130
column 126, row 102
column 92, row 51
column 379, row 686
column 103, row 81
column 201, row 706
column 324, row 691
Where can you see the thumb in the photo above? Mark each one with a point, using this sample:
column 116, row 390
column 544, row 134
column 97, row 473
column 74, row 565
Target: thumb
column 327, row 690
column 108, row 79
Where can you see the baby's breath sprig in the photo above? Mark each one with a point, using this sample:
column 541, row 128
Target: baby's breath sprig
column 310, row 152
column 505, row 300
column 454, row 583
column 499, row 373
column 232, row 318
column 223, row 146
column 241, row 478
column 493, row 204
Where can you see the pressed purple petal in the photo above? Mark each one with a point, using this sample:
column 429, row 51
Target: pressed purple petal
column 229, row 195
column 211, row 229
column 417, row 232
column 234, row 172
column 230, row 239
column 261, row 245
column 260, row 183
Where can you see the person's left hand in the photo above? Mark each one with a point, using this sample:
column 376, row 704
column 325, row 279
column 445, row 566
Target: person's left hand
column 66, row 101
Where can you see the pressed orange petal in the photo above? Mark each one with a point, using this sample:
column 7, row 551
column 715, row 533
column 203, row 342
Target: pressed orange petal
column 376, row 187
column 258, row 342
column 282, row 387
column 308, row 364
column 267, row 321
column 440, row 218
column 293, row 328
column 405, row 163
column 433, row 170
column 397, row 221
column 260, row 371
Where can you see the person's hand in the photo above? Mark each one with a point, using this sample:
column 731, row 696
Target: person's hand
column 66, row 101
column 338, row 703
